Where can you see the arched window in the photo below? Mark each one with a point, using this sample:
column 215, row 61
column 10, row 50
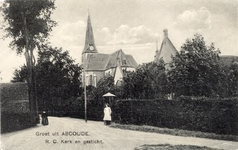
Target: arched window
column 91, row 80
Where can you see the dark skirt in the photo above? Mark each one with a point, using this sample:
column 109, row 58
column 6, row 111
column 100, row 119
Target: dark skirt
column 45, row 121
column 107, row 122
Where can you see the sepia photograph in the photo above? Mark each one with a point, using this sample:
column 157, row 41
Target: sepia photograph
column 119, row 74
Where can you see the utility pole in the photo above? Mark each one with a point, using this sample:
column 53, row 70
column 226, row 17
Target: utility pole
column 85, row 94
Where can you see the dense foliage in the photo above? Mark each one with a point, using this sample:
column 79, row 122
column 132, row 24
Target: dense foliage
column 57, row 80
column 104, row 85
column 28, row 21
column 195, row 71
column 148, row 81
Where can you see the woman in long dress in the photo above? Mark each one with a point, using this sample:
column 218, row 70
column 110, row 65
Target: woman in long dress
column 44, row 118
column 107, row 115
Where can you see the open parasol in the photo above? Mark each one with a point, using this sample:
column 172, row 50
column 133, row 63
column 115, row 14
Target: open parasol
column 109, row 95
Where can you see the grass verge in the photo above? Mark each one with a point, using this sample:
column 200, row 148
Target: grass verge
column 176, row 132
column 173, row 147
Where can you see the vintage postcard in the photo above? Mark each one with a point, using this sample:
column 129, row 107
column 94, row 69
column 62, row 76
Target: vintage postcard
column 119, row 74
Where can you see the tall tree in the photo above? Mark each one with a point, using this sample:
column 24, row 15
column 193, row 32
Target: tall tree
column 195, row 71
column 29, row 24
column 58, row 79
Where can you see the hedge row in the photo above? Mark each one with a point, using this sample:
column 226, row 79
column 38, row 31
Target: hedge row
column 14, row 97
column 11, row 121
column 77, row 110
column 13, row 91
column 216, row 116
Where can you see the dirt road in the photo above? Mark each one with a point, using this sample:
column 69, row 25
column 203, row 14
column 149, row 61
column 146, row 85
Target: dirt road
column 75, row 134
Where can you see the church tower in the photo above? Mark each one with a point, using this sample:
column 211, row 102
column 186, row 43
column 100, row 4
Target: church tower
column 89, row 46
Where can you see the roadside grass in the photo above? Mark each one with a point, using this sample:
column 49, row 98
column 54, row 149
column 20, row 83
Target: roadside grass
column 173, row 147
column 176, row 132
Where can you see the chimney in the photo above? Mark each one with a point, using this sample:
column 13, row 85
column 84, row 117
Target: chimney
column 165, row 32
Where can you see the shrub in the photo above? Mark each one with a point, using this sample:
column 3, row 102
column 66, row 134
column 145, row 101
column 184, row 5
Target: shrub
column 11, row 121
column 200, row 114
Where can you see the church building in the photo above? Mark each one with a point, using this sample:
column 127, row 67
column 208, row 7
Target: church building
column 97, row 65
column 167, row 50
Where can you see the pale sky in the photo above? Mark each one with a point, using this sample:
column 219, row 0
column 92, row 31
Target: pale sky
column 134, row 26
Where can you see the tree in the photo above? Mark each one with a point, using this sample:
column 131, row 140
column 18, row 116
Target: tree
column 58, row 80
column 29, row 24
column 104, row 85
column 195, row 71
column 147, row 82
column 20, row 75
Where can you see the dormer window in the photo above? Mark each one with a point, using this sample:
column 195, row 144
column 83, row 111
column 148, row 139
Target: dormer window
column 124, row 62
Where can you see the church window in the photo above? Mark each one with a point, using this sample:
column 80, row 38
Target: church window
column 95, row 80
column 90, row 80
column 124, row 62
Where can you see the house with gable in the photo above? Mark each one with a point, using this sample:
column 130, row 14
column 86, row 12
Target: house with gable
column 167, row 50
column 97, row 65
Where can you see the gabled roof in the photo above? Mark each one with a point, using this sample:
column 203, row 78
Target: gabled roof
column 228, row 59
column 102, row 62
column 120, row 57
column 167, row 49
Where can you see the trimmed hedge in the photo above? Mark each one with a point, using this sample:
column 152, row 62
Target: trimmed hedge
column 14, row 97
column 207, row 115
column 94, row 110
column 11, row 121
column 15, row 112
column 14, row 91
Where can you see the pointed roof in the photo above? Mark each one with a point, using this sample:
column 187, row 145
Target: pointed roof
column 118, row 73
column 89, row 38
column 120, row 57
column 167, row 49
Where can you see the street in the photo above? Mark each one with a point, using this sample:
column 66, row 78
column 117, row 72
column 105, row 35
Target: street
column 75, row 134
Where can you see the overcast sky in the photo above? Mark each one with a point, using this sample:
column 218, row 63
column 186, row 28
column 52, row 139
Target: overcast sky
column 134, row 26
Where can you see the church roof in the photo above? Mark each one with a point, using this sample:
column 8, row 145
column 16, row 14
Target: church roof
column 96, row 61
column 167, row 49
column 120, row 57
column 102, row 62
